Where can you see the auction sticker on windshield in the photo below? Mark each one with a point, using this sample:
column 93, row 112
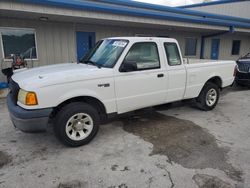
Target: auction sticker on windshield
column 120, row 43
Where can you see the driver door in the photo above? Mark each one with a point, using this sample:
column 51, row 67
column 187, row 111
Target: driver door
column 141, row 80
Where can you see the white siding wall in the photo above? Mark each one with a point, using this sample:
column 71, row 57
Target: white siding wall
column 66, row 14
column 226, row 42
column 56, row 41
column 237, row 9
column 109, row 31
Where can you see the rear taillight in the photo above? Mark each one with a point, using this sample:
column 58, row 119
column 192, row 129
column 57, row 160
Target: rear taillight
column 235, row 70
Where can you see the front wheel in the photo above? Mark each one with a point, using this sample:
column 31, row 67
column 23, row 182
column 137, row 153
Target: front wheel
column 76, row 124
column 209, row 97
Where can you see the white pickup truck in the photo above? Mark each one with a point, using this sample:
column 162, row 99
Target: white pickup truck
column 118, row 75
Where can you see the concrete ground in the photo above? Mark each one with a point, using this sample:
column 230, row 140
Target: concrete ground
column 175, row 146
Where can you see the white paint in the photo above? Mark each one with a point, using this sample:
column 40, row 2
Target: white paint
column 128, row 90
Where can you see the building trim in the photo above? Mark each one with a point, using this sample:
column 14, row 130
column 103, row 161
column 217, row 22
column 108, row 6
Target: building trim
column 111, row 8
column 175, row 10
column 211, row 3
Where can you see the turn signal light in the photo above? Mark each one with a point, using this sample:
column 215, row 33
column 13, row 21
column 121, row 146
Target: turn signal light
column 31, row 99
column 27, row 97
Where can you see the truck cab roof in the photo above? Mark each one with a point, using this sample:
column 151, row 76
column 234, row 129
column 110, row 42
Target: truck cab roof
column 139, row 39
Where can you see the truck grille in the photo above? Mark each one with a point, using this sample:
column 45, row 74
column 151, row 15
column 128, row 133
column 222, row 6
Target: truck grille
column 243, row 67
column 14, row 89
column 243, row 76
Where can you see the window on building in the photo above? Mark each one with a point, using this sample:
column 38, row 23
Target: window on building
column 143, row 56
column 190, row 46
column 236, row 47
column 173, row 54
column 18, row 42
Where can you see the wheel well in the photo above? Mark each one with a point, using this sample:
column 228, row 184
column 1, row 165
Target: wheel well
column 216, row 80
column 89, row 100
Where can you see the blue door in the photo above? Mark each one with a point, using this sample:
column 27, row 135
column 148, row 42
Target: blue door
column 85, row 41
column 215, row 48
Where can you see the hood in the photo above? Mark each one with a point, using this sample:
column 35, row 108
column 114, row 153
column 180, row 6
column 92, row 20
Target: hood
column 58, row 74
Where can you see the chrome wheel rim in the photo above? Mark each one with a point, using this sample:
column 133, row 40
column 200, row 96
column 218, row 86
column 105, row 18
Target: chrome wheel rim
column 211, row 97
column 79, row 126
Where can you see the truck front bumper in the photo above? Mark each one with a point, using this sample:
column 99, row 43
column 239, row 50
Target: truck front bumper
column 28, row 120
column 244, row 82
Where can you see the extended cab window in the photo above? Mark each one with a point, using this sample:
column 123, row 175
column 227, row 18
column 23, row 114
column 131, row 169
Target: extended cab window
column 172, row 53
column 141, row 56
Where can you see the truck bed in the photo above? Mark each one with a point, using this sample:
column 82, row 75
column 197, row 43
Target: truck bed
column 199, row 70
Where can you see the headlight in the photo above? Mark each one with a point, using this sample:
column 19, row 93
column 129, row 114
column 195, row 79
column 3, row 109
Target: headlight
column 27, row 97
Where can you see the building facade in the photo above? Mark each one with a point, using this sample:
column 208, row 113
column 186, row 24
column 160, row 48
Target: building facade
column 51, row 31
column 231, row 46
column 236, row 8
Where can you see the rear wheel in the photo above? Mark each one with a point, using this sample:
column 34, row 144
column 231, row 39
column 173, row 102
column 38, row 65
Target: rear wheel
column 76, row 124
column 209, row 96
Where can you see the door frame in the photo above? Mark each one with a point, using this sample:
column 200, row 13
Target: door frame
column 217, row 40
column 124, row 76
column 76, row 40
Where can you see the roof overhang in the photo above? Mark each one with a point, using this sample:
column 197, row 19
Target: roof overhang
column 219, row 2
column 106, row 11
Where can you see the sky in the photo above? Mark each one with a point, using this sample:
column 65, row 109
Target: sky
column 172, row 2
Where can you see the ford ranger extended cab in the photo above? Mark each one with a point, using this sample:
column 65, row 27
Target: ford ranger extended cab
column 118, row 75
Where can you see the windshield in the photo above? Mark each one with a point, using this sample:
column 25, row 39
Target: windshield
column 105, row 53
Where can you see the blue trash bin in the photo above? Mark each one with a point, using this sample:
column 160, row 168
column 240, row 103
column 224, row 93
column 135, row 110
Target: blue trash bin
column 3, row 85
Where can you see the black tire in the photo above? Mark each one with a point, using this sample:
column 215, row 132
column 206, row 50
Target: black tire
column 201, row 100
column 66, row 113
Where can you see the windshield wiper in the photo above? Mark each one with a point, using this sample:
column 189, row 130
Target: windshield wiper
column 92, row 63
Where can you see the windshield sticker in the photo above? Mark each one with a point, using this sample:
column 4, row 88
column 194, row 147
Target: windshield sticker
column 120, row 43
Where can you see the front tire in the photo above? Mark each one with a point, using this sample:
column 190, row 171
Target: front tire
column 209, row 97
column 76, row 124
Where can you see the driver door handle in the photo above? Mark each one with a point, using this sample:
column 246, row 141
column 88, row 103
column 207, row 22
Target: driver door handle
column 160, row 75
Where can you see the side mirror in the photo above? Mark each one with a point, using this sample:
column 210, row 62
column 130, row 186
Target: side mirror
column 128, row 66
